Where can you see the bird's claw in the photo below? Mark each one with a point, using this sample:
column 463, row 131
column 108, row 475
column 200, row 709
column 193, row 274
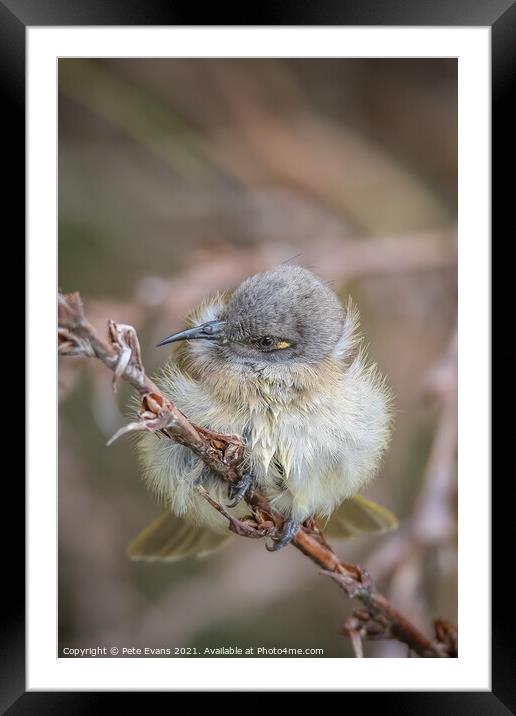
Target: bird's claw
column 241, row 489
column 290, row 528
column 247, row 527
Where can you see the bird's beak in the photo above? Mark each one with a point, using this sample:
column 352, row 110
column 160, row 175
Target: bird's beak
column 211, row 331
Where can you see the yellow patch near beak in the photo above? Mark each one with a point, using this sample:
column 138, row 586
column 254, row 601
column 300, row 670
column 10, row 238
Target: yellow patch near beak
column 282, row 344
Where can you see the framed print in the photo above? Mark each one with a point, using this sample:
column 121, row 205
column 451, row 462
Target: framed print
column 270, row 243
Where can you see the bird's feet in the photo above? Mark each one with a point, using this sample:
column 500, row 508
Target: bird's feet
column 290, row 528
column 243, row 488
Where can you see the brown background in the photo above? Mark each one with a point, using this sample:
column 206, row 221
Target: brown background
column 178, row 178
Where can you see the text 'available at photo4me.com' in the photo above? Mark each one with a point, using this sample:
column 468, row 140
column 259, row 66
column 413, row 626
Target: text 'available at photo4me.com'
column 147, row 651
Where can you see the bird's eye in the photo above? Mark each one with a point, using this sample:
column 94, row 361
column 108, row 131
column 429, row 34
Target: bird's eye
column 271, row 343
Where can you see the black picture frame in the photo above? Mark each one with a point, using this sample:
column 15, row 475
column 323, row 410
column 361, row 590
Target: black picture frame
column 15, row 17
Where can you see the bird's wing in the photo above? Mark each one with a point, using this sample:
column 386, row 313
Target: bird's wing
column 358, row 515
column 169, row 538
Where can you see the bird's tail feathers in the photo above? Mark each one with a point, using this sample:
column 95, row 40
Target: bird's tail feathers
column 358, row 515
column 169, row 538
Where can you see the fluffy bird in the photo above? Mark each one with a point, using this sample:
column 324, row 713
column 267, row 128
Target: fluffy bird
column 278, row 363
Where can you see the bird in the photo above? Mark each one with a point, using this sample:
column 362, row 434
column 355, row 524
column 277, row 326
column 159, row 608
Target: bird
column 279, row 362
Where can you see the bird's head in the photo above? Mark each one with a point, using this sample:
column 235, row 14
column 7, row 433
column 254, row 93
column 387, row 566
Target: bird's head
column 283, row 316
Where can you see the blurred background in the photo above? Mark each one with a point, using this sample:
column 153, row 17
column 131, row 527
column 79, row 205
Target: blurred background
column 178, row 178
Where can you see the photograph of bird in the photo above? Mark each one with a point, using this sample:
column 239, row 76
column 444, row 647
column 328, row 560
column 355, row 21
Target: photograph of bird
column 278, row 363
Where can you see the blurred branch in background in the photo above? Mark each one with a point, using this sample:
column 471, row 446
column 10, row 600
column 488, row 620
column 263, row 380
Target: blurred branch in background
column 403, row 558
column 188, row 176
column 339, row 260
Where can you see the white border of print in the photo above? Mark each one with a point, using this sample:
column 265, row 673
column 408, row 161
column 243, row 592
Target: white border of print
column 471, row 670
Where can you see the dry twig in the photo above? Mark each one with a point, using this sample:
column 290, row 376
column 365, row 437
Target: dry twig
column 223, row 454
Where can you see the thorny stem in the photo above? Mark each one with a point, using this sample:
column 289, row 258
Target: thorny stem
column 223, row 454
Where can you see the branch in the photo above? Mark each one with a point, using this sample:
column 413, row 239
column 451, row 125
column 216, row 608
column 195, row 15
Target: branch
column 224, row 455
